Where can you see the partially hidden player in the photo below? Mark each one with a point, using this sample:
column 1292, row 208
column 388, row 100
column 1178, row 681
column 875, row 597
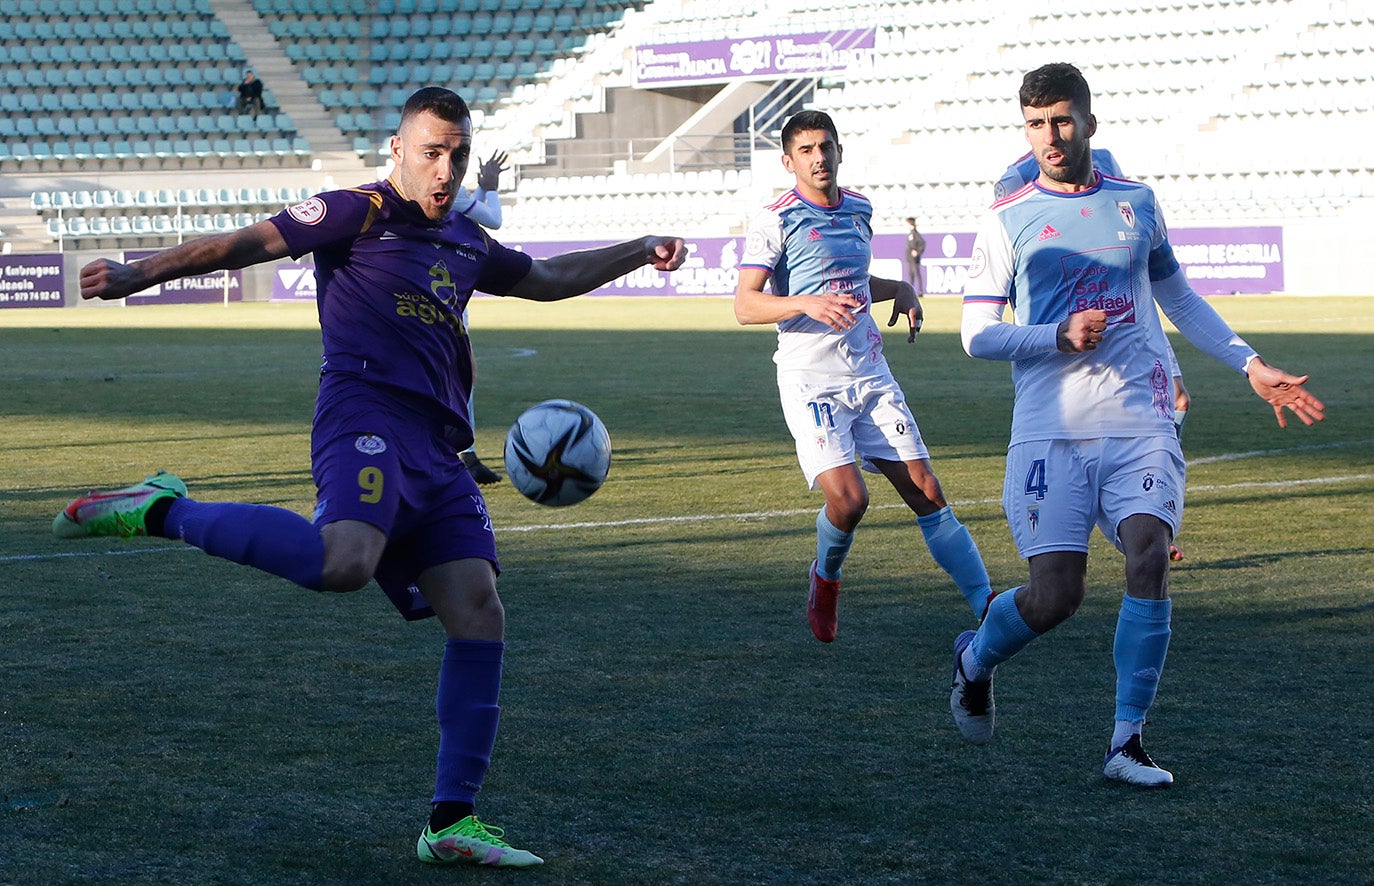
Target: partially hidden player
column 396, row 266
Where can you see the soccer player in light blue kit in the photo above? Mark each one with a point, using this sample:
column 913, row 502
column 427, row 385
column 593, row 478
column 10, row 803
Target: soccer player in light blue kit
column 1026, row 170
column 1083, row 260
column 839, row 397
column 397, row 265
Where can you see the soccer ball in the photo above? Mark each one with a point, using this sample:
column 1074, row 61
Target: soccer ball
column 558, row 453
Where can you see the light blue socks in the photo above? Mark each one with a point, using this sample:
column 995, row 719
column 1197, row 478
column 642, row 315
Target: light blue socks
column 953, row 549
column 832, row 546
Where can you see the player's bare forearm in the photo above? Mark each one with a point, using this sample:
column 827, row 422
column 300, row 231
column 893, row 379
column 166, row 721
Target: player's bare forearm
column 1282, row 390
column 575, row 273
column 105, row 279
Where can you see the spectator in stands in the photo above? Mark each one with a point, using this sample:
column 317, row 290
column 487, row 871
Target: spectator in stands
column 915, row 248
column 483, row 207
column 250, row 94
column 396, row 266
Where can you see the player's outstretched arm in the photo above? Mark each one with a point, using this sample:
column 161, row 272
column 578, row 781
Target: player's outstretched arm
column 257, row 243
column 574, row 273
column 1284, row 391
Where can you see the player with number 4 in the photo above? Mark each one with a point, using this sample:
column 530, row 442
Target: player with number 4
column 1083, row 261
column 838, row 394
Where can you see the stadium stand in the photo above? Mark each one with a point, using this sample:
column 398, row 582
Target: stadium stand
column 1238, row 111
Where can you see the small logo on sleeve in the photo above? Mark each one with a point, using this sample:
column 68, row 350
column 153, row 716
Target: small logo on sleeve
column 310, row 212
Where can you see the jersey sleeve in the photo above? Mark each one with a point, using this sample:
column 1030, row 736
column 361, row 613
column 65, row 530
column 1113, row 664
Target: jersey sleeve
column 485, row 209
column 327, row 218
column 1199, row 322
column 986, row 294
column 763, row 242
column 503, row 269
column 1162, row 263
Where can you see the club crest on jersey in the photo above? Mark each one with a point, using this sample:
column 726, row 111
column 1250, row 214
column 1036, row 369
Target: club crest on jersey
column 309, row 212
column 370, row 444
column 1127, row 213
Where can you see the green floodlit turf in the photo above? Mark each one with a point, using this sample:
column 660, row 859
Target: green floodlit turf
column 169, row 718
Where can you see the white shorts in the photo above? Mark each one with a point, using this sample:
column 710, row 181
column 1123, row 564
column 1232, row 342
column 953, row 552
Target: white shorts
column 1055, row 490
column 835, row 419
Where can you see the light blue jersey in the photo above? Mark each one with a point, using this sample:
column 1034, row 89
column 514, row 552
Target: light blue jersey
column 1047, row 254
column 809, row 249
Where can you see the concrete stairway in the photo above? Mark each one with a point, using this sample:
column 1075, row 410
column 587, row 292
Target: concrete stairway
column 274, row 69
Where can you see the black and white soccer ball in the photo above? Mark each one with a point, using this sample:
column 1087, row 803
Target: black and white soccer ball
column 557, row 453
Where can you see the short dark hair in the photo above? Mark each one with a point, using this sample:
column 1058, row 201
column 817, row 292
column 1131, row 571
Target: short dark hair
column 442, row 103
column 804, row 121
column 1056, row 82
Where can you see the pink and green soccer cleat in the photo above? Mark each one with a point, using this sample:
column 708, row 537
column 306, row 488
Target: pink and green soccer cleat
column 119, row 512
column 469, row 841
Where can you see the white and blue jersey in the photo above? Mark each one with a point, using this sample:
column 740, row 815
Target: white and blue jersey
column 1048, row 254
column 808, row 249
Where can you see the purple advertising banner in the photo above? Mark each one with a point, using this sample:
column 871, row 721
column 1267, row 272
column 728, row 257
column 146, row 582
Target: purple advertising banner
column 1216, row 260
column 31, row 281
column 1221, row 261
column 753, row 58
column 293, row 282
column 200, row 289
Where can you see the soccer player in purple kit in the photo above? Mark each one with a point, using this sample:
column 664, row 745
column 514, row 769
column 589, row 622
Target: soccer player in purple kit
column 1083, row 260
column 396, row 266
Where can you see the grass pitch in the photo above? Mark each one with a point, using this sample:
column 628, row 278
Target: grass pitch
column 170, row 718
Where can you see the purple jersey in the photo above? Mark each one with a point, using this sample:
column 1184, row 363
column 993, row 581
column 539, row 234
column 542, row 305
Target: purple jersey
column 392, row 286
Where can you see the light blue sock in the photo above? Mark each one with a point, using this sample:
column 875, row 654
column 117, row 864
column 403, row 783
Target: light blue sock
column 953, row 549
column 832, row 546
column 1142, row 641
column 1003, row 634
column 272, row 539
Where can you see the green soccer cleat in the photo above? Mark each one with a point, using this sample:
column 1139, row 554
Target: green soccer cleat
column 119, row 512
column 469, row 841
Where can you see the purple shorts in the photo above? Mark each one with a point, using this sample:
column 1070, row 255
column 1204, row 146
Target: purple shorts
column 377, row 461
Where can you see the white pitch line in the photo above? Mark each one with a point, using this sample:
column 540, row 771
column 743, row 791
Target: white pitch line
column 706, row 518
column 1258, row 453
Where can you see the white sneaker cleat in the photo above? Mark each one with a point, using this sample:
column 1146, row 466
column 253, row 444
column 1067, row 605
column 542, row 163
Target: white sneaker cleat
column 971, row 701
column 1130, row 763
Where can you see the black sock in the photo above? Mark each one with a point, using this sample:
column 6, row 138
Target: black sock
column 446, row 813
column 156, row 518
